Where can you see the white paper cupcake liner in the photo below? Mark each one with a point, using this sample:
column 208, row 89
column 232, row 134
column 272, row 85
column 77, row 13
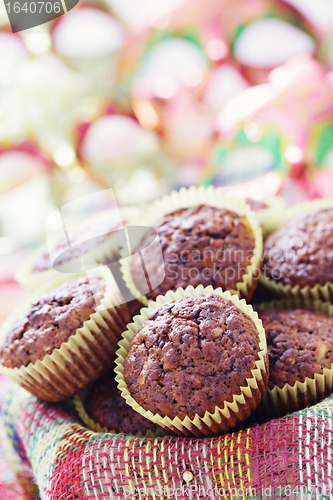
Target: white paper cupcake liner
column 318, row 292
column 79, row 403
column 223, row 419
column 271, row 218
column 104, row 251
column 279, row 401
column 83, row 358
column 191, row 197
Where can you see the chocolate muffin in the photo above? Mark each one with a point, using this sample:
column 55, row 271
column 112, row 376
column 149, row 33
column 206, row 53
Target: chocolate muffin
column 300, row 252
column 51, row 321
column 105, row 405
column 200, row 245
column 191, row 355
column 83, row 241
column 256, row 204
column 299, row 343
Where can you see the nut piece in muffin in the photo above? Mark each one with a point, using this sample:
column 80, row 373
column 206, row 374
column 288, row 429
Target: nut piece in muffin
column 51, row 320
column 191, row 355
column 105, row 406
column 201, row 245
column 301, row 252
column 299, row 344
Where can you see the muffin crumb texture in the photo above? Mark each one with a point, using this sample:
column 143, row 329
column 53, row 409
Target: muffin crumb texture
column 106, row 406
column 191, row 355
column 51, row 320
column 200, row 245
column 301, row 251
column 299, row 343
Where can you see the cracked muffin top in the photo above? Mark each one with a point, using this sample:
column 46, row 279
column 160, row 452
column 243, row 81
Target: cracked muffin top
column 191, row 355
column 201, row 245
column 51, row 320
column 105, row 405
column 299, row 344
column 301, row 251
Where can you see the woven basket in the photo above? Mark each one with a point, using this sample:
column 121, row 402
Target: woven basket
column 272, row 460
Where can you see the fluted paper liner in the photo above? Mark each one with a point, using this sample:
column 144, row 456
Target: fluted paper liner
column 83, row 358
column 102, row 253
column 79, row 403
column 31, row 280
column 318, row 292
column 214, row 197
column 271, row 218
column 277, row 213
column 223, row 419
column 307, row 206
column 277, row 401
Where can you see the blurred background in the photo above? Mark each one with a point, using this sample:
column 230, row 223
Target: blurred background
column 145, row 97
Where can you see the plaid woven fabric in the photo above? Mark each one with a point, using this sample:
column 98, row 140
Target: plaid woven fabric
column 288, row 456
column 15, row 473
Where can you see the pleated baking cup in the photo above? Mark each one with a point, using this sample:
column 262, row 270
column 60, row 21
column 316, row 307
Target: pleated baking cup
column 232, row 413
column 213, row 197
column 32, row 280
column 79, row 403
column 271, row 217
column 108, row 251
column 280, row 401
column 83, row 358
column 104, row 252
column 306, row 207
column 277, row 214
column 318, row 292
